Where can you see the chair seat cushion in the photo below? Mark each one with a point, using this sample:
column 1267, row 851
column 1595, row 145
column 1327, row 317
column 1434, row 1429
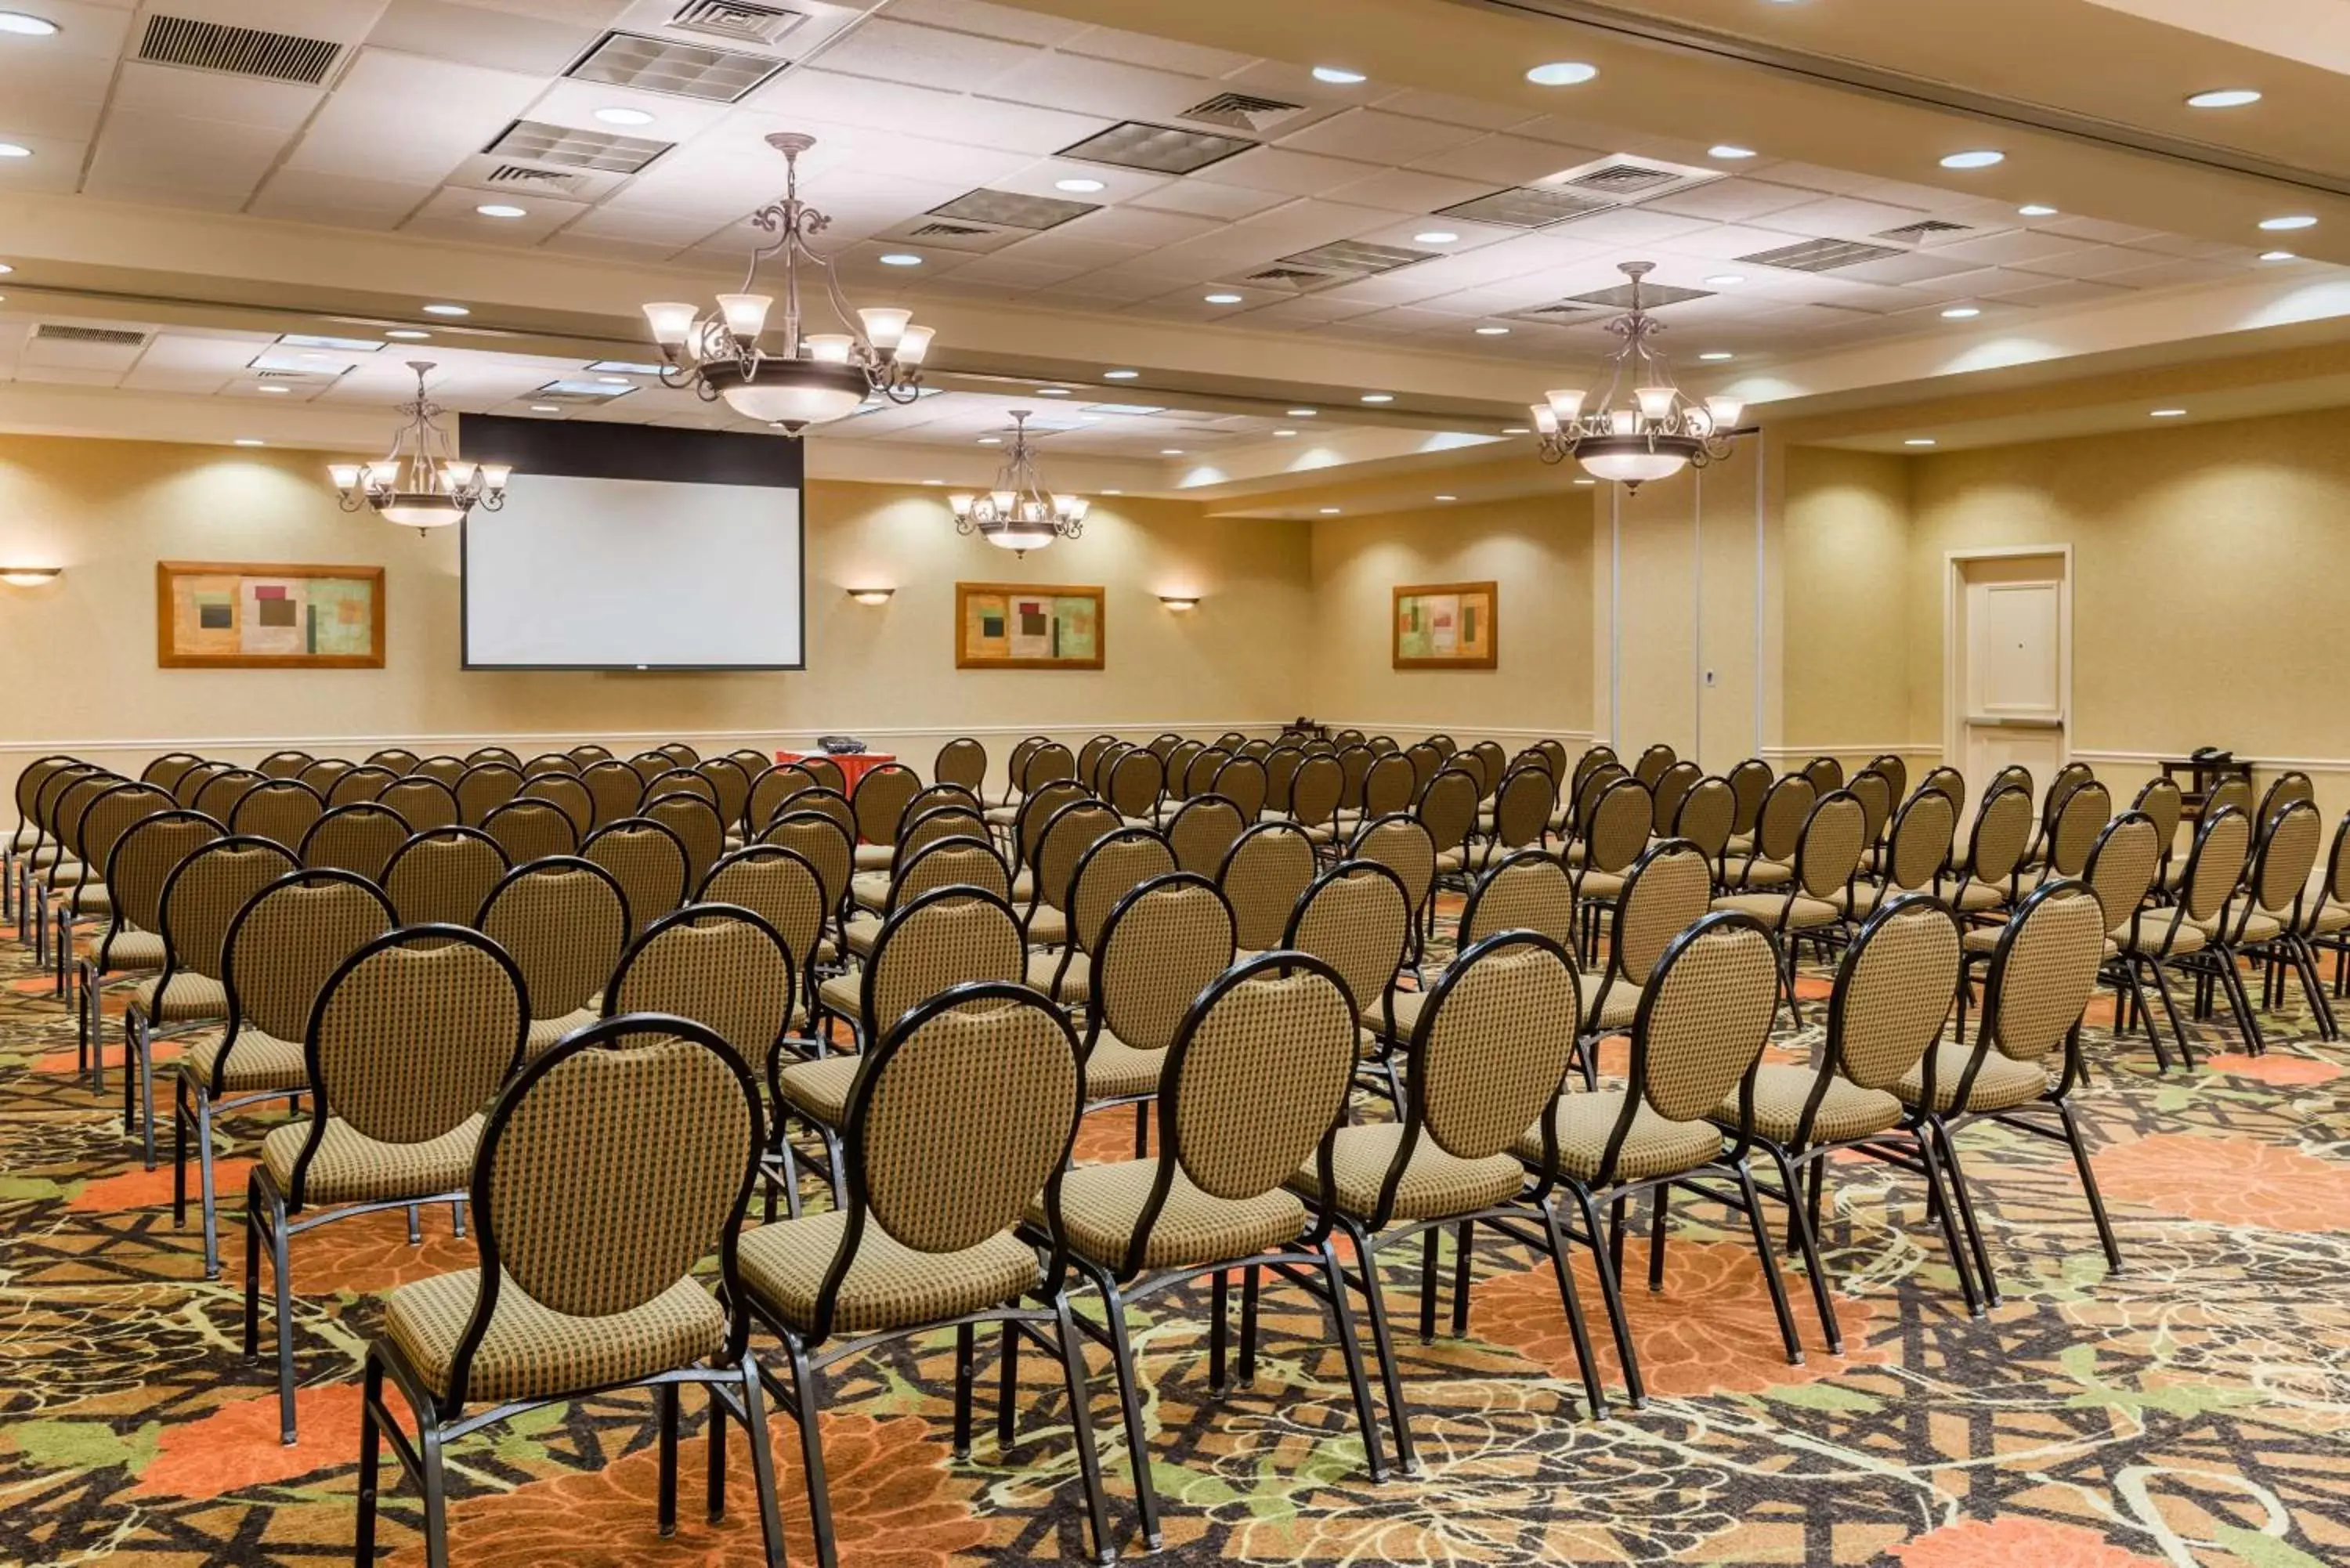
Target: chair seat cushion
column 2241, row 928
column 843, row 993
column 1862, row 899
column 1847, row 1111
column 860, row 932
column 2155, row 937
column 258, row 1062
column 2002, row 1083
column 1116, row 1070
column 93, row 899
column 352, row 1167
column 1000, row 815
column 1653, row 1146
column 531, row 1350
column 890, row 1284
column 869, row 890
column 1759, row 874
column 1075, row 985
column 1607, row 886
column 1800, row 912
column 1047, row 927
column 546, row 1032
column 1614, row 1009
column 1409, row 1005
column 875, row 857
column 1100, row 1205
column 1974, row 898
column 2330, row 919
column 1452, row 859
column 134, row 950
column 1435, row 1184
column 819, row 1089
column 188, row 998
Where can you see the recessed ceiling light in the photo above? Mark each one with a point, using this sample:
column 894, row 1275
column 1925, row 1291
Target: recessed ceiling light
column 1919, row 440
column 900, row 258
column 2168, row 414
column 1517, row 429
column 2278, row 256
column 5, row 269
column 1284, row 433
column 1120, row 375
column 1052, row 391
column 1716, row 356
column 26, row 26
column 1435, row 237
column 15, row 149
column 1378, row 397
column 991, row 441
column 1330, row 511
column 1170, row 452
column 1586, row 482
column 500, row 210
column 274, row 391
column 1961, row 313
column 1223, row 298
column 248, row 441
column 1562, row 73
column 1725, row 280
column 545, row 408
column 1447, row 498
column 1729, row 151
column 1078, row 187
column 619, row 114
column 446, row 310
column 1303, row 414
column 2035, row 210
column 2295, row 220
column 1493, row 332
column 1983, row 158
column 614, row 381
column 2223, row 97
column 1338, row 76
column 408, row 333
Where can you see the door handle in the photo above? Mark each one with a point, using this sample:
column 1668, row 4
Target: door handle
column 2014, row 721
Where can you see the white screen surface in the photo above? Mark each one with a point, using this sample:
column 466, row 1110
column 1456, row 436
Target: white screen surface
column 625, row 574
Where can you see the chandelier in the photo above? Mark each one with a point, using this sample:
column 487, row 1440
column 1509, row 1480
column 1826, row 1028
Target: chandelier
column 817, row 377
column 421, row 484
column 1658, row 433
column 1020, row 515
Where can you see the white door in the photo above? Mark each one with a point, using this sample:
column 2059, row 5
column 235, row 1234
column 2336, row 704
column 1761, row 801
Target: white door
column 2013, row 670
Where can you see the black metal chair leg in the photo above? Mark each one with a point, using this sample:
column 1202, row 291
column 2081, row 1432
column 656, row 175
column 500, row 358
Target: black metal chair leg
column 2089, row 1186
column 1985, row 1274
column 1778, row 1287
column 763, row 1463
column 1007, row 1387
column 808, row 1404
column 1612, row 1296
column 665, row 1403
column 1937, row 1205
column 1350, row 1346
column 1571, row 1300
column 1807, row 1243
column 1081, row 1426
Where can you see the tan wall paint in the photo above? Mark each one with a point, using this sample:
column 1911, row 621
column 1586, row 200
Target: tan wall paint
column 1846, row 585
column 83, row 649
column 1538, row 548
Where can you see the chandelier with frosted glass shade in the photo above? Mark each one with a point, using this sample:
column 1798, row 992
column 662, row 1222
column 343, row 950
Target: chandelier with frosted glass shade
column 1658, row 432
column 1020, row 515
column 421, row 483
column 810, row 378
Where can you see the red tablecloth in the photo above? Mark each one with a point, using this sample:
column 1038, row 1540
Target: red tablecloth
column 853, row 766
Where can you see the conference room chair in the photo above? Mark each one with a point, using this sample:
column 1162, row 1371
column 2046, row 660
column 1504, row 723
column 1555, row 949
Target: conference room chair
column 139, row 865
column 771, row 793
column 680, row 753
column 89, row 896
column 566, row 921
column 818, row 838
column 2073, row 832
column 1402, row 843
column 282, row 809
column 1892, row 992
column 1161, row 945
column 962, row 761
column 591, row 1216
column 28, row 837
column 1199, row 776
column 1448, row 809
column 441, row 875
column 425, row 804
column 190, row 786
column 1828, row 857
column 1202, row 831
column 1243, row 782
column 284, row 764
column 1824, row 773
column 879, row 803
column 54, row 862
column 1357, row 917
column 1109, row 868
column 783, row 887
column 1915, row 854
column 1875, row 792
column 1522, row 813
column 1265, row 872
column 1281, row 765
column 547, row 764
column 2041, row 978
column 531, row 830
column 2325, row 914
column 827, row 774
column 2264, row 929
column 870, row 888
column 696, row 825
column 1697, row 1041
column 1617, row 834
column 566, row 791
column 1036, row 810
column 277, row 955
column 483, row 787
column 1895, row 770
column 1652, row 763
column 503, row 755
column 1483, row 1065
column 1768, row 857
column 587, row 755
column 2121, row 871
column 1314, row 791
column 1994, row 861
column 163, row 770
column 365, row 782
column 399, row 759
column 326, row 772
column 1672, row 785
column 907, row 1255
column 651, row 764
column 1064, row 838
column 2164, row 804
column 1667, row 890
column 2171, row 938
column 409, row 1037
column 361, row 837
column 959, row 860
column 1132, row 780
column 679, row 781
column 731, row 788
column 1704, row 818
column 649, row 861
column 1178, row 763
column 617, row 789
column 443, row 769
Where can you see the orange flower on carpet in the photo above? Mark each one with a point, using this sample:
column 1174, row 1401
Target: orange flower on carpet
column 369, row 1254
column 2027, row 1543
column 2229, row 1181
column 2281, row 1071
column 238, row 1445
column 139, row 1187
column 1710, row 1332
column 1107, row 1137
column 895, row 1504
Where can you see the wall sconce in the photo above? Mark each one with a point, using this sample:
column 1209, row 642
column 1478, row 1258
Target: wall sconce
column 29, row 576
column 1180, row 601
column 871, row 596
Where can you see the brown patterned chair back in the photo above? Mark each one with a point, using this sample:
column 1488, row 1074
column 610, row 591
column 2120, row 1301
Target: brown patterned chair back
column 365, row 782
column 679, row 781
column 1403, row 845
column 287, row 764
column 732, row 787
column 1389, row 785
column 1750, row 781
column 1672, row 785
column 771, row 793
column 566, row 922
column 1704, row 1015
column 2122, row 869
column 961, row 862
column 2002, row 832
column 1037, row 809
column 2223, row 844
column 1669, row 891
column 648, row 861
column 204, row 893
column 425, row 804
column 399, row 759
column 1785, row 809
column 531, row 830
column 1828, row 855
column 1242, row 780
column 1528, row 891
column 962, row 761
column 546, row 765
column 1922, row 836
column 1357, row 918
column 1110, row 867
column 567, row 794
column 1202, row 831
column 1264, row 874
column 823, row 843
column 485, row 787
column 140, row 865
column 718, row 964
column 781, row 887
column 617, row 789
column 1620, row 825
column 2162, row 803
column 1068, row 835
column 326, row 772
column 1875, row 793
column 880, row 801
column 361, row 837
column 943, row 821
column 1256, row 1079
column 2043, row 970
column 1706, row 815
column 1893, row 991
column 696, row 823
column 447, row 770
column 440, row 876
column 1895, row 772
column 1132, row 781
column 1314, row 793
column 1448, row 808
column 1653, row 763
column 2087, row 810
column 1824, row 773
column 282, row 809
column 1523, row 807
column 945, row 938
column 1159, row 948
column 1493, row 1042
column 2288, row 855
column 285, row 943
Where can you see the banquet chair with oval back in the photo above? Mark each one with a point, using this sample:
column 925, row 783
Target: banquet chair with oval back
column 1281, row 765
column 1994, row 864
column 680, row 753
column 441, row 875
column 282, row 809
column 1485, row 1059
column 441, row 769
column 962, row 761
column 285, row 764
column 588, row 753
column 1111, row 867
column 819, row 839
column 2042, row 977
column 1243, row 782
column 1202, row 831
column 2121, row 871
column 1313, row 795
column 966, row 1111
column 1895, row 772
column 1768, row 859
column 1178, row 763
column 1827, row 858
column 1824, row 773
column 1617, row 834
column 1390, row 788
column 506, row 755
column 218, row 795
column 323, row 773
column 1357, row 917
column 1672, row 785
column 1910, row 860
column 29, row 839
column 566, row 921
column 1667, row 890
column 2266, row 930
column 1874, row 790
column 771, row 796
column 531, row 830
column 59, row 865
column 957, row 860
column 277, row 953
column 1161, row 944
column 548, row 763
column 110, row 814
column 132, row 945
column 828, row 773
column 650, row 765
column 1064, row 837
column 409, row 1037
column 1015, row 773
column 1522, row 813
column 870, row 889
column 1037, row 808
column 1704, row 818
column 567, row 794
column 399, row 759
column 1401, row 843
column 361, row 837
column 1652, row 763
column 484, row 787
column 1265, row 872
column 732, row 783
column 1254, row 1087
column 783, row 887
column 728, row 968
column 365, row 782
column 423, row 803
column 1750, row 783
column 2165, row 804
column 1132, row 781
column 1200, row 774
column 881, row 802
column 649, row 861
column 1447, row 807
column 681, row 781
column 2172, row 938
column 1893, row 989
column 591, row 1214
column 1705, row 1013
column 617, row 789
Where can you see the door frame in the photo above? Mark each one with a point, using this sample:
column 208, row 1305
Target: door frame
column 1954, row 667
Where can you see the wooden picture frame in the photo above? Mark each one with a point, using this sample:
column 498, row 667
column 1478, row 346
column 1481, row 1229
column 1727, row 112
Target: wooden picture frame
column 1055, row 613
column 222, row 615
column 1446, row 626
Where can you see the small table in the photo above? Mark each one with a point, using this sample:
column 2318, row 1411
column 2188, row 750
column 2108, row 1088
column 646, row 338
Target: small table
column 853, row 765
column 2203, row 773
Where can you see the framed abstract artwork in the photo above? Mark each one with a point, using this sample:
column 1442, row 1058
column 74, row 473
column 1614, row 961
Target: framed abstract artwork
column 1446, row 626
column 1014, row 626
column 216, row 615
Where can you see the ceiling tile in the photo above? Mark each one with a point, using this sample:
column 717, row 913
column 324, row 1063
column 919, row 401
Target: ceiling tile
column 502, row 40
column 1102, row 88
column 1210, row 198
column 2017, row 247
column 211, row 95
column 1843, row 218
column 817, row 95
column 1734, row 200
column 990, row 21
column 1502, row 160
column 899, row 51
column 1374, row 136
column 1292, row 174
column 1160, row 54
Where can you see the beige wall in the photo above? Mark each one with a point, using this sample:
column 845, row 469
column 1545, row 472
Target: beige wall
column 1538, row 548
column 1845, row 580
column 82, row 649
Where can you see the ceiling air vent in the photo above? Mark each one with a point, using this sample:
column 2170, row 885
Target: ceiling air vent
column 1290, row 277
column 948, row 232
column 1157, row 149
column 1821, row 255
column 516, row 176
column 1011, row 209
column 1525, row 207
column 1241, row 111
column 1921, row 232
column 576, row 149
column 1652, row 295
column 1357, row 256
column 735, row 19
column 239, row 51
column 579, row 393
column 1562, row 314
column 1619, row 179
column 683, row 71
column 110, row 337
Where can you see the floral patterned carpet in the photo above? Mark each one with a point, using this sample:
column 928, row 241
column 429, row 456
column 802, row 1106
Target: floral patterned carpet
column 2192, row 1410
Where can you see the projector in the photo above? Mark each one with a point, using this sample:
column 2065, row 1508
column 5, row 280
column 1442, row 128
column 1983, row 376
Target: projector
column 839, row 746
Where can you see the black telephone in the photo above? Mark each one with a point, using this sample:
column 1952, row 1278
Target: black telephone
column 2211, row 755
column 839, row 746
